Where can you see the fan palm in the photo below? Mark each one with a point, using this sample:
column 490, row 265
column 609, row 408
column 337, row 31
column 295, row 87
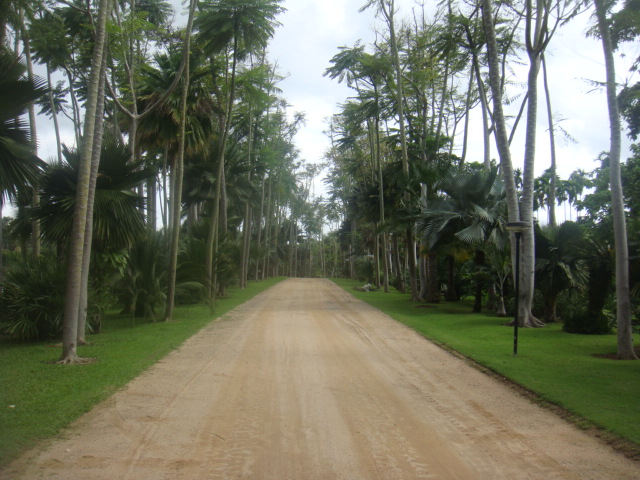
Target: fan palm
column 558, row 263
column 118, row 222
column 19, row 166
column 471, row 211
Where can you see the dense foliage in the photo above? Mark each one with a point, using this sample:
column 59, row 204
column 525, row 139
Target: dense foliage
column 199, row 154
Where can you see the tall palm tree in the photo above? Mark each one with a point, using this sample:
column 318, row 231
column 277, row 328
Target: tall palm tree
column 623, row 299
column 95, row 98
column 243, row 27
column 367, row 73
column 176, row 193
column 388, row 11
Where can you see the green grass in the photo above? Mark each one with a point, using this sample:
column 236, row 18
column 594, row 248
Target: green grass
column 38, row 397
column 559, row 367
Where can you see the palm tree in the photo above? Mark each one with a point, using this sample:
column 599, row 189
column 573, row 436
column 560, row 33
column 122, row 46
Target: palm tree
column 387, row 9
column 559, row 266
column 243, row 26
column 367, row 73
column 471, row 211
column 118, row 222
column 525, row 317
column 623, row 300
column 20, row 169
column 176, row 193
column 76, row 249
column 597, row 256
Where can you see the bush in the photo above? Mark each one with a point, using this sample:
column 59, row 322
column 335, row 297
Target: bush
column 588, row 323
column 32, row 299
column 365, row 269
column 141, row 289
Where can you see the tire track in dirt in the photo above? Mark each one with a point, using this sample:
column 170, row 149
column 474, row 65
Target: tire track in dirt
column 306, row 382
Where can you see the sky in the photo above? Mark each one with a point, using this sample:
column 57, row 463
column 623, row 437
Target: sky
column 311, row 32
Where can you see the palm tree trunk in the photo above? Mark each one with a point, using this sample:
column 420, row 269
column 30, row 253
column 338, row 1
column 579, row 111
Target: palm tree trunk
column 164, row 205
column 95, row 164
column 352, row 269
column 75, row 108
column 535, row 47
column 376, row 249
column 1, row 242
column 267, row 231
column 152, row 203
column 54, row 116
column 76, row 247
column 623, row 301
column 176, row 193
column 452, row 294
column 485, row 113
column 423, row 265
column 219, row 203
column 467, row 114
column 552, row 144
column 35, row 202
column 433, row 288
column 259, row 229
column 388, row 8
column 246, row 244
column 506, row 165
column 88, row 236
column 398, row 264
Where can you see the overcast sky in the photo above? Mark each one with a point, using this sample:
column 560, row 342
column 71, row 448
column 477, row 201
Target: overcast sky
column 313, row 30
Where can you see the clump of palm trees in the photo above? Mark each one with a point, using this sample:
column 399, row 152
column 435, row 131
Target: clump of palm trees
column 186, row 168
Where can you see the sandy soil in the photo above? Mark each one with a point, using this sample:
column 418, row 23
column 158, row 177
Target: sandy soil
column 306, row 382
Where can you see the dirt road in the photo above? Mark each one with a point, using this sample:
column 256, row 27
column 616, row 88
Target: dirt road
column 305, row 382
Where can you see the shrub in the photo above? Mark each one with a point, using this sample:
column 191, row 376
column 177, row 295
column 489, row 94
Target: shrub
column 32, row 299
column 141, row 288
column 588, row 323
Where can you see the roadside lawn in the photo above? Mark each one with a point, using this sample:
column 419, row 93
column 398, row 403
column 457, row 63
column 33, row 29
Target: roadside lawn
column 567, row 370
column 38, row 397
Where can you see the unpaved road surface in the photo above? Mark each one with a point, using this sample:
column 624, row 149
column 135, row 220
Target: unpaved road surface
column 305, row 382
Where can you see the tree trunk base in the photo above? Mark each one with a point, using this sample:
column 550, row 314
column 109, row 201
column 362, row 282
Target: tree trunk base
column 628, row 355
column 76, row 361
column 530, row 322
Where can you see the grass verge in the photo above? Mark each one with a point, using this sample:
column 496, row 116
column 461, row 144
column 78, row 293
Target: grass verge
column 566, row 370
column 38, row 398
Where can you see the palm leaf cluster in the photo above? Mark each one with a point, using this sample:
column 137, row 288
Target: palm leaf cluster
column 19, row 166
column 118, row 220
column 470, row 209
